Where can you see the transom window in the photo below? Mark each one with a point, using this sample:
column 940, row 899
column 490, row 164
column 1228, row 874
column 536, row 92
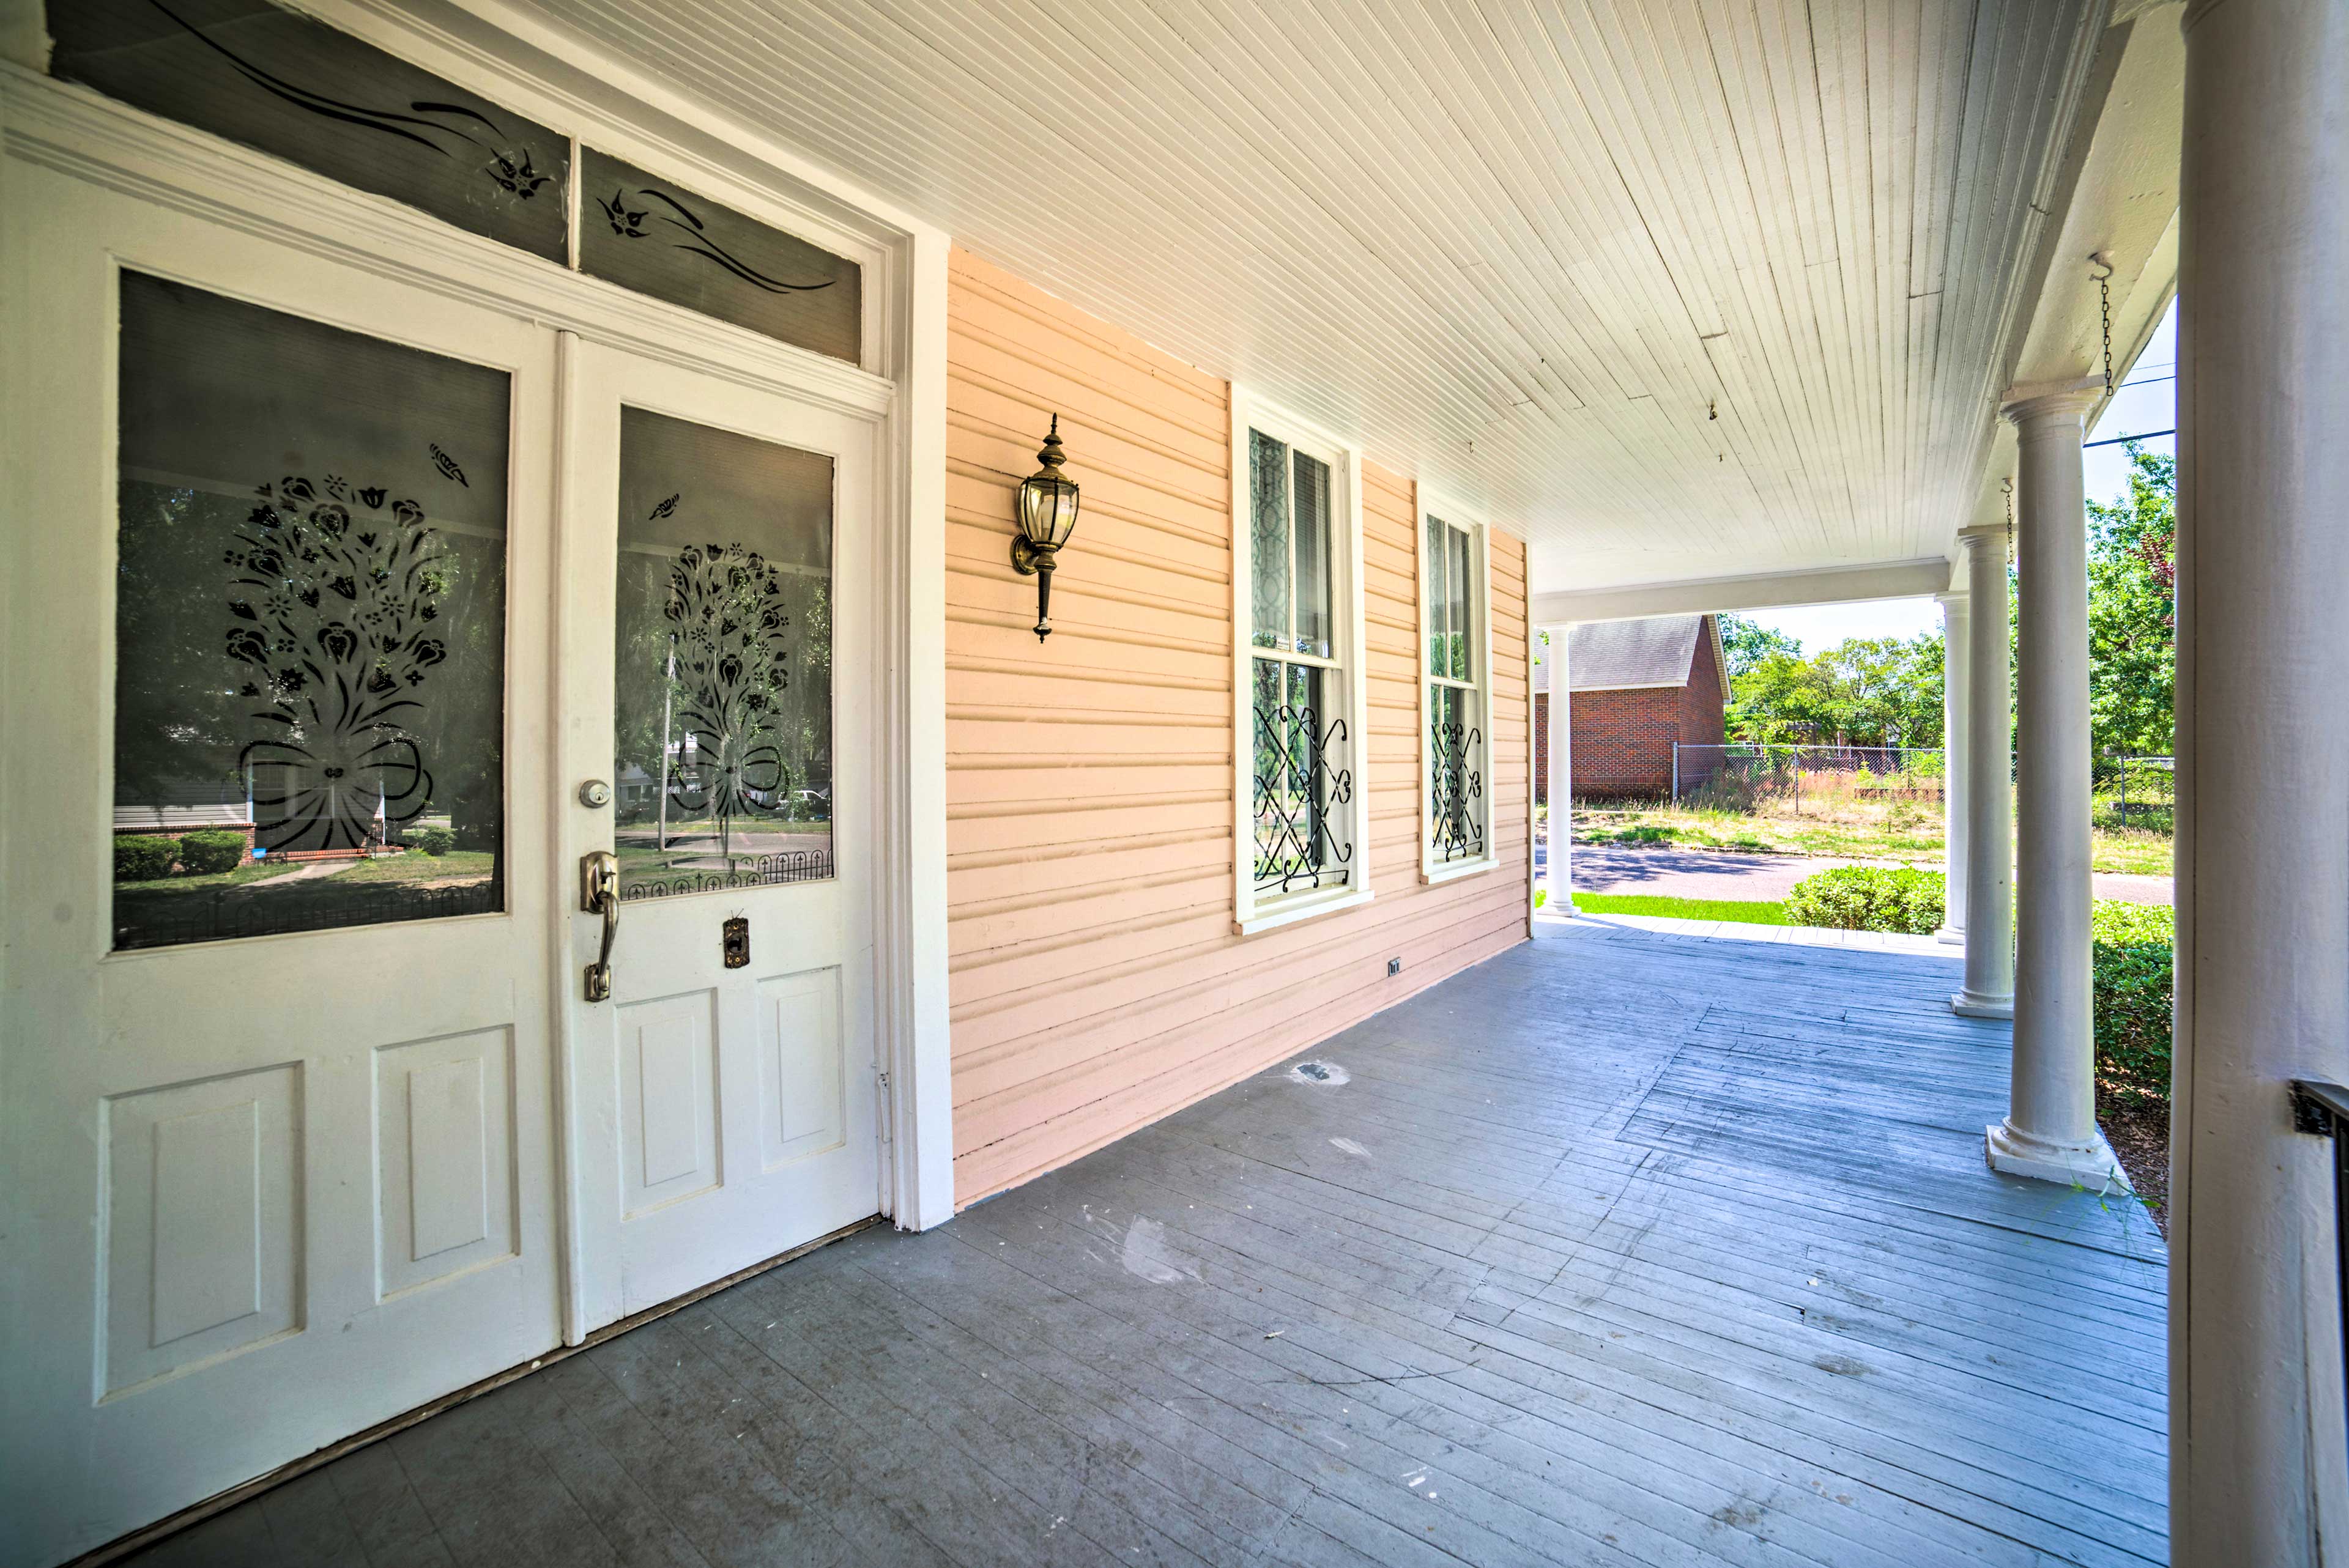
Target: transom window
column 1301, row 817
column 1457, row 810
column 294, row 87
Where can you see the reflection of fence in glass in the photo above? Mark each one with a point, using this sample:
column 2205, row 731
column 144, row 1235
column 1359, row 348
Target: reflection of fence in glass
column 1745, row 777
column 765, row 871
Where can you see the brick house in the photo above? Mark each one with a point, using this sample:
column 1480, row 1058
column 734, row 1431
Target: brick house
column 1638, row 687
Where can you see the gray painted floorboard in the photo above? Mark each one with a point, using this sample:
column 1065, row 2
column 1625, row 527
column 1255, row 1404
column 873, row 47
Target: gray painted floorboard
column 1621, row 1249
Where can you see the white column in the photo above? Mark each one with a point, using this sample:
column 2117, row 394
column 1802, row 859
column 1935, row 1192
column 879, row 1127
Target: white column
column 1560, row 872
column 2256, row 1421
column 1989, row 990
column 2050, row 1130
column 1955, row 669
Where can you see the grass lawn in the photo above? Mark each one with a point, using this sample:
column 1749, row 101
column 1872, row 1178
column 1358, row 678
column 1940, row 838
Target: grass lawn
column 237, row 878
column 1748, row 912
column 456, row 865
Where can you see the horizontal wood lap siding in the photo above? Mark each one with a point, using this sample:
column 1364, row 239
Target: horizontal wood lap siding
column 1096, row 984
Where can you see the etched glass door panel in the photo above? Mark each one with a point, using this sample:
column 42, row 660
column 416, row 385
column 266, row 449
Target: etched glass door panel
column 722, row 687
column 309, row 625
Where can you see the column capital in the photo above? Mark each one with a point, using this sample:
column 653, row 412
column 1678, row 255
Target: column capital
column 2024, row 406
column 1955, row 599
column 1983, row 537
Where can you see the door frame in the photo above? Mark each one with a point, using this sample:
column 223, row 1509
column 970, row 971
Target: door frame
column 900, row 388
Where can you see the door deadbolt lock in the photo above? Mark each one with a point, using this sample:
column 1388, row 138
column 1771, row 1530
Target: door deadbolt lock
column 599, row 894
column 595, row 794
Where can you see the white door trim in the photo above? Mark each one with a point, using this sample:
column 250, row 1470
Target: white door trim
column 901, row 388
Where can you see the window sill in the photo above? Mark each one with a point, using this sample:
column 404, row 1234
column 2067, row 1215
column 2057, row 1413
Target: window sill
column 1305, row 907
column 1452, row 870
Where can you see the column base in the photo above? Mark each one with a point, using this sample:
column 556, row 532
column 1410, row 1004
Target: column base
column 1966, row 1005
column 2090, row 1165
column 1953, row 934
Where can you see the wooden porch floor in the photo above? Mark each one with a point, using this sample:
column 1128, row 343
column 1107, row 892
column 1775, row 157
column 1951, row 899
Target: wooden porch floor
column 1622, row 1248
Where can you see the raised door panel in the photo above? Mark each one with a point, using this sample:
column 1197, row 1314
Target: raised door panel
column 203, row 1223
column 668, row 1101
column 801, row 1107
column 444, row 1157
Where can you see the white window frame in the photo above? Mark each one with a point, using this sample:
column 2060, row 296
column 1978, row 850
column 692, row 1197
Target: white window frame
column 1251, row 913
column 1469, row 521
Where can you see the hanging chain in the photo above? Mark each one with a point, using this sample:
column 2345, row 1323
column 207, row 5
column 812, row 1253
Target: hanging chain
column 2008, row 485
column 2104, row 311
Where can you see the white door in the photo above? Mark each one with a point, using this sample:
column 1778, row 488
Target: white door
column 717, row 635
column 277, row 1133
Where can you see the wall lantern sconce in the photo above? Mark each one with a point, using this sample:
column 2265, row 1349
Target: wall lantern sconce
column 1048, row 515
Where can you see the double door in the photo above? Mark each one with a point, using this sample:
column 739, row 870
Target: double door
column 346, row 622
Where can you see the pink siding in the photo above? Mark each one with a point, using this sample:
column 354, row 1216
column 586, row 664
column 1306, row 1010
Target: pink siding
column 1096, row 983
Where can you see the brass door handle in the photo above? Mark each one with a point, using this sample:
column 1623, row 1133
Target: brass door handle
column 599, row 894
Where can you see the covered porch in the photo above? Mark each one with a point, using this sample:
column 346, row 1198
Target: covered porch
column 1620, row 1247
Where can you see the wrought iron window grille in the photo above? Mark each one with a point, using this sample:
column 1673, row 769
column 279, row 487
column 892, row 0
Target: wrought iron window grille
column 1457, row 788
column 1301, row 780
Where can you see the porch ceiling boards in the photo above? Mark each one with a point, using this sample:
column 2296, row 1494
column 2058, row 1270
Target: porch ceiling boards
column 1526, row 251
column 1619, row 1249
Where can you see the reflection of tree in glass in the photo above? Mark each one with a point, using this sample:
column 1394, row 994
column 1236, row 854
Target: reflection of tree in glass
column 333, row 616
column 726, row 613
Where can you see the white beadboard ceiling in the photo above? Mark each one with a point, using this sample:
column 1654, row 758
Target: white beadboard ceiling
column 1526, row 251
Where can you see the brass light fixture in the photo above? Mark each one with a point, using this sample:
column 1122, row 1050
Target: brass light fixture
column 1048, row 515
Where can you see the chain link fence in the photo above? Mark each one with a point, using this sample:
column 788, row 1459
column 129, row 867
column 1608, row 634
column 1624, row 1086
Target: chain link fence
column 2136, row 793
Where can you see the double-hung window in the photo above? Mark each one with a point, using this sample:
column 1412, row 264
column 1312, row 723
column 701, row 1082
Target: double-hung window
column 1299, row 715
column 1456, row 659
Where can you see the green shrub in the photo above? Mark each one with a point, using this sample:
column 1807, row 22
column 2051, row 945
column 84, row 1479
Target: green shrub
column 2123, row 923
column 431, row 840
column 143, row 857
column 2131, row 972
column 202, row 854
column 1869, row 898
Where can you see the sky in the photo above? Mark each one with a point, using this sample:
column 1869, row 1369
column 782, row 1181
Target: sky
column 2146, row 402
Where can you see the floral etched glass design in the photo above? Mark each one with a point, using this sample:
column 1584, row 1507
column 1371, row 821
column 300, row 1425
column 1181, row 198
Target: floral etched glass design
column 722, row 680
column 309, row 625
column 296, row 88
column 657, row 237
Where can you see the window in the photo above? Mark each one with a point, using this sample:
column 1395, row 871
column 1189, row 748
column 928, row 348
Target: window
column 301, row 90
column 1301, row 817
column 1456, row 665
column 313, row 95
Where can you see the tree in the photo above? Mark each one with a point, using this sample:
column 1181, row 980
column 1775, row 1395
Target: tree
column 1867, row 691
column 2132, row 609
column 1891, row 689
column 1748, row 643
